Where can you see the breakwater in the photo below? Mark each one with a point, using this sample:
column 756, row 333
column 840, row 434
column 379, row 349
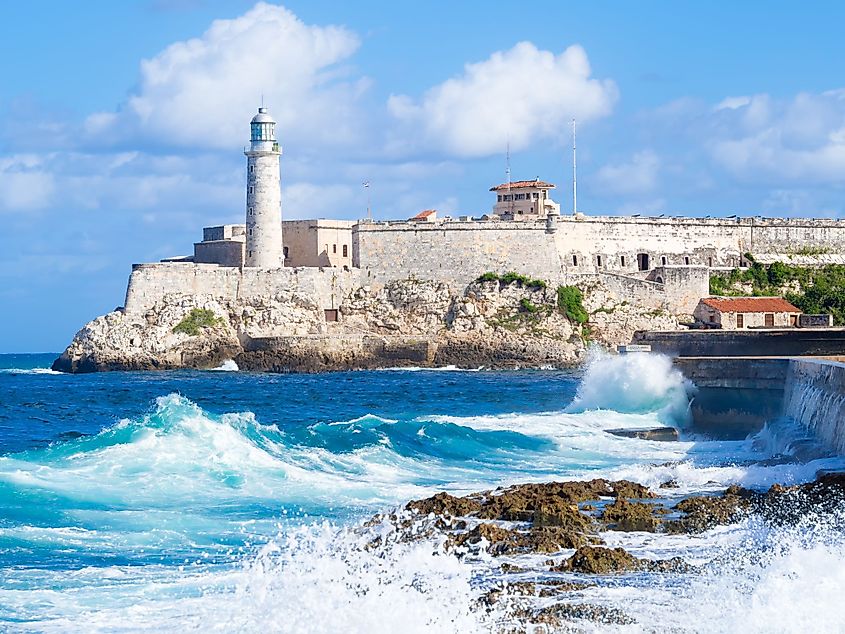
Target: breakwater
column 736, row 396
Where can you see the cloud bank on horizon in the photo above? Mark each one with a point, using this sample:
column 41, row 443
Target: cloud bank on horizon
column 138, row 180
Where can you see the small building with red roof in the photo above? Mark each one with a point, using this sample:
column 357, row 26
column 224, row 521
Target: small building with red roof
column 524, row 200
column 737, row 313
column 429, row 215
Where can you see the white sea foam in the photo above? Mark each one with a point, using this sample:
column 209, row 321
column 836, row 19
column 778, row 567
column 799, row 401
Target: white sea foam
column 227, row 366
column 28, row 371
column 634, row 383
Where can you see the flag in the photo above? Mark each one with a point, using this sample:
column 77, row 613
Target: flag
column 366, row 183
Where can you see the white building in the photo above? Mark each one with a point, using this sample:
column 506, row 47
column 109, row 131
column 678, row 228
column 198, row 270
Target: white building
column 524, row 200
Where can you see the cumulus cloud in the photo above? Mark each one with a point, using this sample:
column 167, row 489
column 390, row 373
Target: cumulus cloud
column 201, row 91
column 637, row 176
column 801, row 139
column 520, row 95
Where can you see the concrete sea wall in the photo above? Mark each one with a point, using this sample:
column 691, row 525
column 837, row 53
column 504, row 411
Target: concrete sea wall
column 814, row 396
column 737, row 396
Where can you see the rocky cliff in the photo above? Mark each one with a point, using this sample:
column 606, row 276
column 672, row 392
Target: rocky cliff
column 405, row 322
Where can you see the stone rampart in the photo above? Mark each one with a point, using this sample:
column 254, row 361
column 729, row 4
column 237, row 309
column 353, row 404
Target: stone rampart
column 150, row 283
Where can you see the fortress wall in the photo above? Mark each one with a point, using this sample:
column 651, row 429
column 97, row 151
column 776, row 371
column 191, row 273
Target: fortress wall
column 453, row 252
column 150, row 283
column 706, row 242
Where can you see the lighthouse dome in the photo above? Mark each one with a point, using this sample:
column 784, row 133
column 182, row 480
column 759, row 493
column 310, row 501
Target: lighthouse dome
column 262, row 117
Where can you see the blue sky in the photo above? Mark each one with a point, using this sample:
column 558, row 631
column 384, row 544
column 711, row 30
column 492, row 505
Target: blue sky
column 122, row 123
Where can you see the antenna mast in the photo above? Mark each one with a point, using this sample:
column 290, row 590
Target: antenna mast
column 574, row 173
column 508, row 172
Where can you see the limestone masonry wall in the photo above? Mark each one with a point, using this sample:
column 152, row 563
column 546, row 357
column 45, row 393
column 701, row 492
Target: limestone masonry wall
column 150, row 283
column 460, row 250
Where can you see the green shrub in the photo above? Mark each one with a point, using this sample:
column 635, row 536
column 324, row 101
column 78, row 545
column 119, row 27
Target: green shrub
column 196, row 320
column 526, row 306
column 570, row 302
column 511, row 277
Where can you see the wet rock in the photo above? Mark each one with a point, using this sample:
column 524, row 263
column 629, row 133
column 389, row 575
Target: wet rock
column 562, row 612
column 670, row 484
column 445, row 504
column 662, row 434
column 701, row 513
column 604, row 561
column 623, row 515
column 599, row 561
column 500, row 541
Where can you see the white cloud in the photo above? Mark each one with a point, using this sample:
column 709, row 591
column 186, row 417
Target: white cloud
column 798, row 140
column 202, row 92
column 637, row 176
column 523, row 95
column 25, row 185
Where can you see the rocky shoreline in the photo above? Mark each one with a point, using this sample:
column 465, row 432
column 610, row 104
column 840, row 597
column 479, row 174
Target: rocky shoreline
column 554, row 531
column 491, row 324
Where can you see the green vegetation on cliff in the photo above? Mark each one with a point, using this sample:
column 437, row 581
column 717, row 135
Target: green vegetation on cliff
column 196, row 320
column 813, row 290
column 570, row 301
column 510, row 278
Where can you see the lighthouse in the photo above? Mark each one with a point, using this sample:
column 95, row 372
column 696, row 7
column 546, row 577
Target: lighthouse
column 263, row 195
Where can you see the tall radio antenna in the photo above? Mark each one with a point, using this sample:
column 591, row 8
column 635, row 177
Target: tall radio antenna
column 574, row 173
column 508, row 173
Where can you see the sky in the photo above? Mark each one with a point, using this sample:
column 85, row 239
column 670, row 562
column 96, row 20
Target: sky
column 122, row 124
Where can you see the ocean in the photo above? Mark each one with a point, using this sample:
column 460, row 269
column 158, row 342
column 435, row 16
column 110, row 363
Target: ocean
column 230, row 501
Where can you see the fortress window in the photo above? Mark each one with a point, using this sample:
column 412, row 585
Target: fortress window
column 251, row 189
column 574, row 260
column 686, row 260
column 710, row 262
column 252, row 169
column 334, row 248
column 598, row 260
column 286, row 251
column 623, row 260
column 345, row 250
column 663, row 260
column 643, row 261
column 740, row 320
column 500, row 198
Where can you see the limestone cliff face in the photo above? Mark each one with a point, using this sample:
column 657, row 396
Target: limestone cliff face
column 405, row 322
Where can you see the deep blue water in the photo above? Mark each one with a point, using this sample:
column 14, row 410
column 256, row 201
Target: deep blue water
column 160, row 490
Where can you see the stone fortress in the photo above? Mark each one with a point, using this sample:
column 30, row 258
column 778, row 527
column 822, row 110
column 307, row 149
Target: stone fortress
column 663, row 262
column 320, row 277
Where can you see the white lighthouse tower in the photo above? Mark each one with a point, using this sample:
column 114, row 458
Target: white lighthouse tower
column 263, row 195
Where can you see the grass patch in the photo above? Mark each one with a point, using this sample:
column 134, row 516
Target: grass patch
column 570, row 301
column 199, row 318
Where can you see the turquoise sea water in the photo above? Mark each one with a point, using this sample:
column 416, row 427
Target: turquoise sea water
column 227, row 501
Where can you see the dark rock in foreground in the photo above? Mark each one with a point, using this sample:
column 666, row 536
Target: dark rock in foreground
column 663, row 434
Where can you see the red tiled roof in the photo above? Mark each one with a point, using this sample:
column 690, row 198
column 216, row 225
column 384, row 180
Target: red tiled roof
column 424, row 214
column 518, row 184
column 750, row 305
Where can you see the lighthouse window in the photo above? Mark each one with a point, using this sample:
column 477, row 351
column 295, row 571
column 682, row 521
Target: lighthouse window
column 251, row 169
column 251, row 189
